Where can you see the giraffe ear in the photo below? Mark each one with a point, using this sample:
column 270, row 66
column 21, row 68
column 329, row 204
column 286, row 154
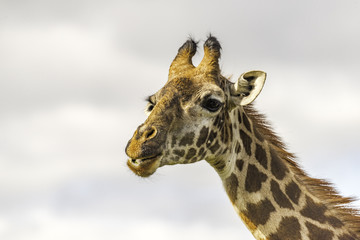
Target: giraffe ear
column 248, row 86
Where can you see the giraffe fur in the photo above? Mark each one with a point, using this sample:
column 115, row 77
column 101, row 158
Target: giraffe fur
column 201, row 115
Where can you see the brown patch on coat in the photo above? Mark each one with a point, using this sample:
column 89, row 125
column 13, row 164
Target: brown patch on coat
column 246, row 122
column 254, row 179
column 201, row 151
column 246, row 140
column 240, row 164
column 278, row 168
column 316, row 211
column 191, row 153
column 179, row 153
column 203, row 136
column 279, row 197
column 289, row 229
column 214, row 147
column 316, row 233
column 260, row 156
column 259, row 213
column 293, row 192
column 188, row 139
column 231, row 186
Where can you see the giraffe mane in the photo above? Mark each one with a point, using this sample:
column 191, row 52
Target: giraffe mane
column 321, row 188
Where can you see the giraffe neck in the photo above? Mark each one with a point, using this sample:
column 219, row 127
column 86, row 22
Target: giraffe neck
column 269, row 194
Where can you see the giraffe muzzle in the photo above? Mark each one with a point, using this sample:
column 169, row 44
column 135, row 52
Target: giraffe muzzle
column 145, row 150
column 144, row 167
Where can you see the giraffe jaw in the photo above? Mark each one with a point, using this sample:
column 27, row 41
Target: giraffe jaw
column 144, row 167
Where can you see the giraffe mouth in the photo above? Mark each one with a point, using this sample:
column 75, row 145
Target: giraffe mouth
column 144, row 167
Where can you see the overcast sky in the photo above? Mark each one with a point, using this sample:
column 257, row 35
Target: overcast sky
column 73, row 79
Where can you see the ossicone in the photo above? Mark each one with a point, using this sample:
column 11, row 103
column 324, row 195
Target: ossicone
column 183, row 59
column 209, row 63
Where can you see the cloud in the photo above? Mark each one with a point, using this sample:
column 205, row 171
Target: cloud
column 45, row 225
column 65, row 64
column 58, row 143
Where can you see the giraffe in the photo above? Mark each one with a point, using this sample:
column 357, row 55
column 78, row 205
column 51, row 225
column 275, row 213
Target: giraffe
column 201, row 115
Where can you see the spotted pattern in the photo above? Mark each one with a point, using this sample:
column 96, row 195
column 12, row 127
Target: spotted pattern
column 211, row 138
column 191, row 153
column 179, row 153
column 258, row 135
column 214, row 147
column 293, row 192
column 279, row 197
column 316, row 211
column 231, row 184
column 219, row 121
column 246, row 122
column 260, row 155
column 316, row 233
column 259, row 213
column 254, row 179
column 203, row 136
column 201, row 151
column 278, row 168
column 246, row 140
column 225, row 135
column 240, row 164
column 346, row 237
column 289, row 229
column 188, row 139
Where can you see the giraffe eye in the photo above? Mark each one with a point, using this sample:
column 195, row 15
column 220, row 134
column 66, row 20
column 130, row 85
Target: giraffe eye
column 149, row 107
column 211, row 104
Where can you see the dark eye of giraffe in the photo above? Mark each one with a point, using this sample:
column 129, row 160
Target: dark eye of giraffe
column 150, row 107
column 151, row 104
column 211, row 104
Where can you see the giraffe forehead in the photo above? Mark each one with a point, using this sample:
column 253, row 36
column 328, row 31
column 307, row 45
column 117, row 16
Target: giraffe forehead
column 183, row 86
column 186, row 89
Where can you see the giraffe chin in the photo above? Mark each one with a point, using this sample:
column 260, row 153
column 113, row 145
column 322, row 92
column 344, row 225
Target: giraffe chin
column 144, row 167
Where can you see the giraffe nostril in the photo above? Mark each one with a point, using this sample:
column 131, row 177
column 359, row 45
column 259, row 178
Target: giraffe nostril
column 151, row 133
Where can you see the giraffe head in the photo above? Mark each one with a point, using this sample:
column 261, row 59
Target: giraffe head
column 189, row 118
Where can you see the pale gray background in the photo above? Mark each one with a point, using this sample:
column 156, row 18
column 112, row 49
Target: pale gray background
column 73, row 78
